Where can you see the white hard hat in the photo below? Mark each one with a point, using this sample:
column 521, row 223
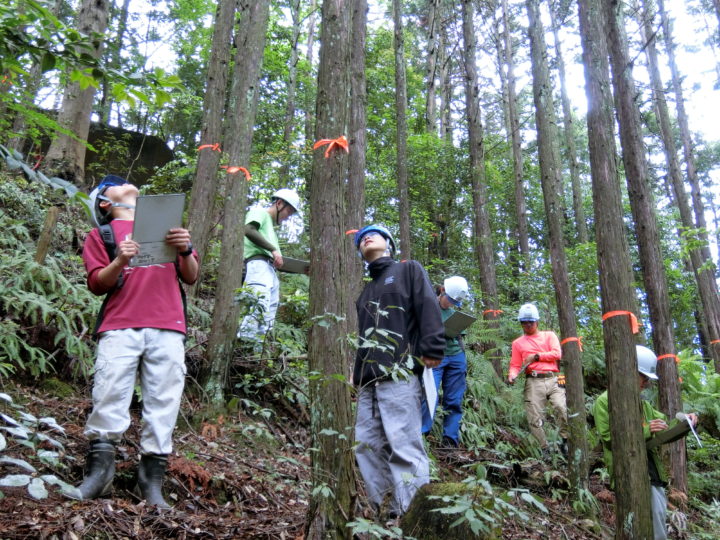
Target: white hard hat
column 647, row 362
column 289, row 196
column 456, row 289
column 528, row 312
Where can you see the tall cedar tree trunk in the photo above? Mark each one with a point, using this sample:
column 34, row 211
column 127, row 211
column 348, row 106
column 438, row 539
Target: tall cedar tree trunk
column 66, row 156
column 514, row 246
column 569, row 137
column 704, row 272
column 309, row 56
column 202, row 197
column 513, row 129
column 30, row 85
column 482, row 234
column 632, row 485
column 355, row 196
column 434, row 54
column 643, row 207
column 550, row 177
column 242, row 107
column 332, row 464
column 106, row 102
column 446, row 89
column 686, row 137
column 401, row 131
column 284, row 172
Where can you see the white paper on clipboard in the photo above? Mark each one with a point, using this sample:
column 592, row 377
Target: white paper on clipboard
column 155, row 215
column 430, row 390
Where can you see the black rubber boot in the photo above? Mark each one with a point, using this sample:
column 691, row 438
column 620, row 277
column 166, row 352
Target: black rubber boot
column 150, row 479
column 100, row 466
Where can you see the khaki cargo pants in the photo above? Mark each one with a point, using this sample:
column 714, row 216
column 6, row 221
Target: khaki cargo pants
column 538, row 390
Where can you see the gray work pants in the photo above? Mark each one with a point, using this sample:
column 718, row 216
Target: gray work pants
column 659, row 510
column 390, row 451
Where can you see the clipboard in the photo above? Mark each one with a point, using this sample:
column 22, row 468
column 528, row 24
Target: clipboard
column 294, row 266
column 457, row 322
column 678, row 431
column 155, row 215
column 430, row 390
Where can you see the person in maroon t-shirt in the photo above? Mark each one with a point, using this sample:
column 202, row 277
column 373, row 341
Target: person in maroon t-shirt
column 142, row 331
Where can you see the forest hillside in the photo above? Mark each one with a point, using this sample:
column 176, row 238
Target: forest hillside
column 549, row 152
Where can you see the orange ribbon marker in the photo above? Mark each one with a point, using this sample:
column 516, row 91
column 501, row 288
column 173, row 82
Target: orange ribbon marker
column 634, row 325
column 569, row 339
column 677, row 360
column 233, row 170
column 215, row 146
column 351, row 231
column 495, row 312
column 340, row 142
column 714, row 341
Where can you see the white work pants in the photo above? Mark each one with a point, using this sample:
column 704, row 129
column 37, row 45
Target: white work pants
column 261, row 277
column 159, row 356
column 390, row 452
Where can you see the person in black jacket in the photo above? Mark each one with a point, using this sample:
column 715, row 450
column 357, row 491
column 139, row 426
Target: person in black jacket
column 400, row 332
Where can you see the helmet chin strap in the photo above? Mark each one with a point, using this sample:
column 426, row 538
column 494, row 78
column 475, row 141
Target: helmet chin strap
column 122, row 205
column 116, row 204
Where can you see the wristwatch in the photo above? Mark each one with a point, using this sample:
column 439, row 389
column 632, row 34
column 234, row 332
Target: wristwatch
column 188, row 251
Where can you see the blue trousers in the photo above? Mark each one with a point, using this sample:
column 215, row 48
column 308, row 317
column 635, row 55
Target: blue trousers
column 451, row 375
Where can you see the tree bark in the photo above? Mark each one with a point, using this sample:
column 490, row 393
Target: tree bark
column 632, row 486
column 569, row 137
column 66, row 156
column 309, row 115
column 642, row 204
column 289, row 124
column 434, row 54
column 328, row 354
column 242, row 108
column 106, row 102
column 355, row 197
column 482, row 233
column 550, row 177
column 702, row 267
column 204, row 190
column 685, row 135
column 515, row 143
column 401, row 132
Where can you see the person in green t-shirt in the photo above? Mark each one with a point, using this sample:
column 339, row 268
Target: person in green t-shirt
column 452, row 371
column 262, row 256
column 653, row 422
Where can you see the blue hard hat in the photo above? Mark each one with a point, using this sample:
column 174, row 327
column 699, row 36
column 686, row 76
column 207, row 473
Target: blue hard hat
column 99, row 215
column 377, row 229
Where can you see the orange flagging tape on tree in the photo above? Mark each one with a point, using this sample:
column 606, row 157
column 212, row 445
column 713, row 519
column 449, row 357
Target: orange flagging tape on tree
column 215, row 147
column 495, row 312
column 634, row 325
column 677, row 360
column 233, row 170
column 714, row 341
column 576, row 339
column 351, row 231
column 340, row 142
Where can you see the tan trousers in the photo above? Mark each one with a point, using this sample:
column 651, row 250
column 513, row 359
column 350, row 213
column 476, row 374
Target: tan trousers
column 537, row 393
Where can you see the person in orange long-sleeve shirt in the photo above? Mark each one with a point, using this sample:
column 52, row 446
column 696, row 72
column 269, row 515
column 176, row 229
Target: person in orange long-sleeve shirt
column 538, row 354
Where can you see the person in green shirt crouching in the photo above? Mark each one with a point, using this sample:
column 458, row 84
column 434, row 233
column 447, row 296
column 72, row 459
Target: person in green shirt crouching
column 653, row 422
column 262, row 257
